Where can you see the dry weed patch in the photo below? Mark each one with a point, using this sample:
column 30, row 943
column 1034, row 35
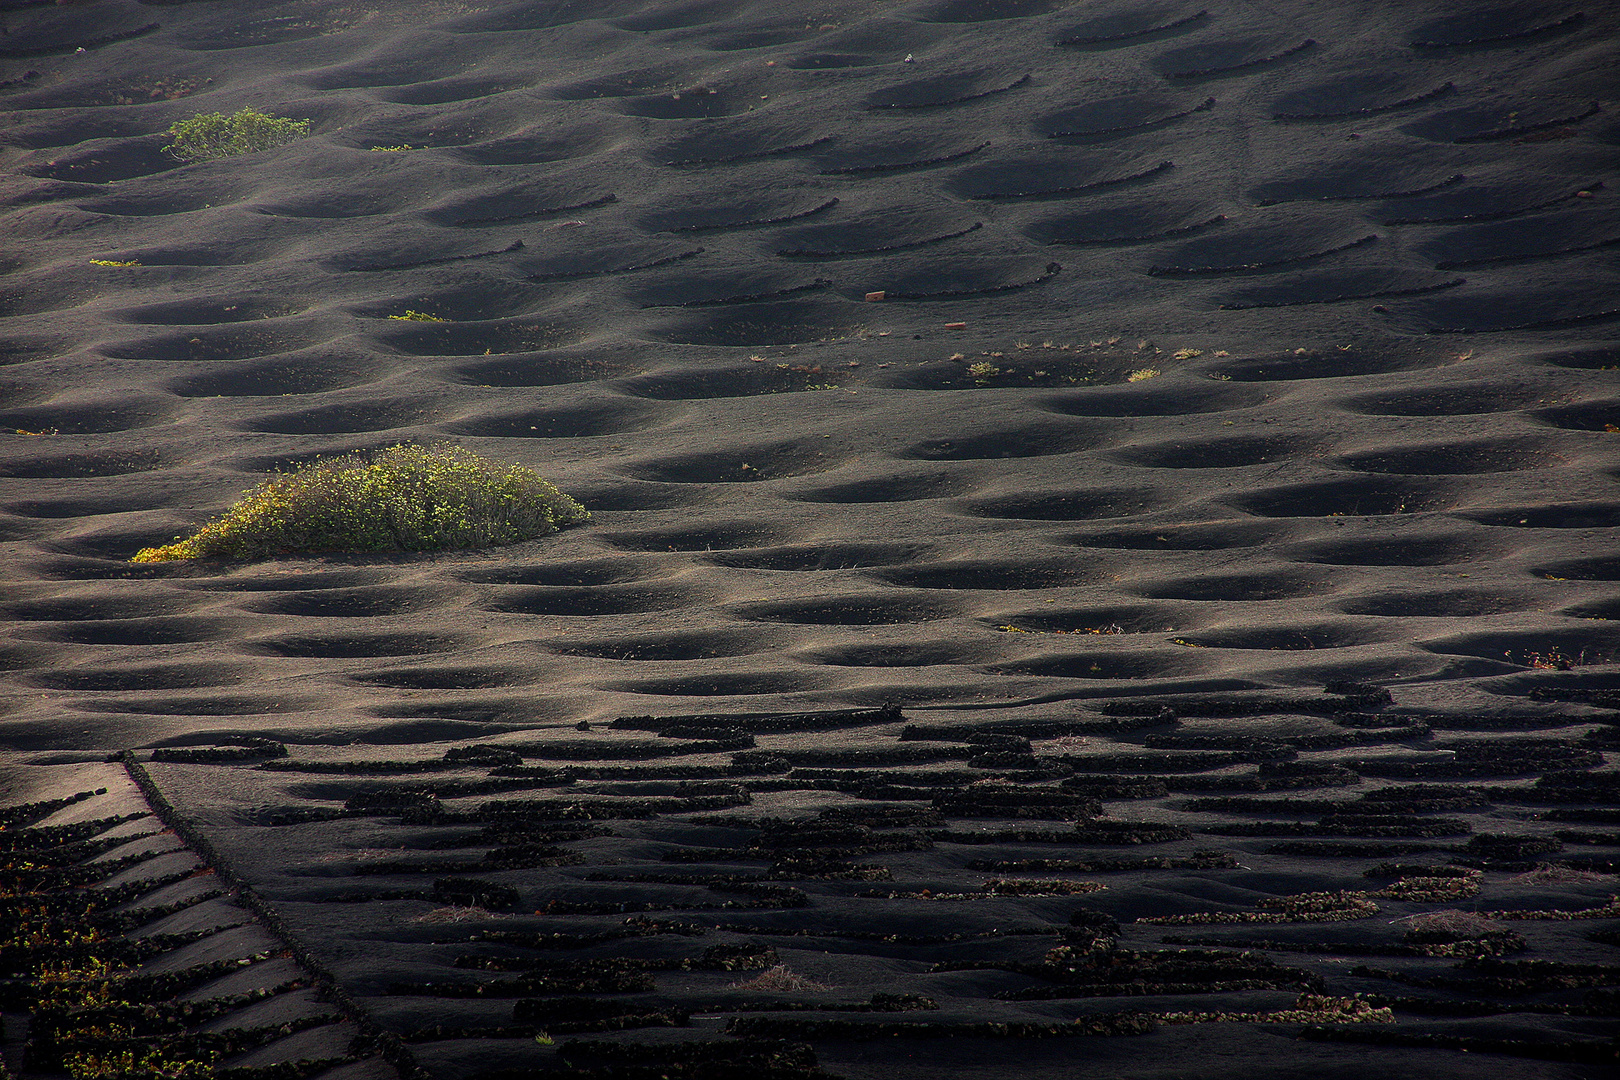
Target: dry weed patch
column 779, row 980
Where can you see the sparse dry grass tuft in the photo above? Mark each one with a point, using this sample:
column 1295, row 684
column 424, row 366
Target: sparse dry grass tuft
column 1548, row 874
column 442, row 915
column 779, row 980
column 1451, row 921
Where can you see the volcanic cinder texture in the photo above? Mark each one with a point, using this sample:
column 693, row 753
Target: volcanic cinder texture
column 1103, row 544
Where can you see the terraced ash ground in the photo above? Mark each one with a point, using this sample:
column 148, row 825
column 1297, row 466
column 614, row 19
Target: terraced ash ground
column 1102, row 560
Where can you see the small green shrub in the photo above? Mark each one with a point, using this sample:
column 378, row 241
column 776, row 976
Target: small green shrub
column 404, row 498
column 208, row 136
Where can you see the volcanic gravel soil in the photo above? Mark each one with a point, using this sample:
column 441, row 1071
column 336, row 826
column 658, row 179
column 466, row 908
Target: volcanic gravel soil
column 1102, row 559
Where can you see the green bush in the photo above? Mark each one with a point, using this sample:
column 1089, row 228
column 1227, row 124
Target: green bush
column 404, row 498
column 207, row 136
